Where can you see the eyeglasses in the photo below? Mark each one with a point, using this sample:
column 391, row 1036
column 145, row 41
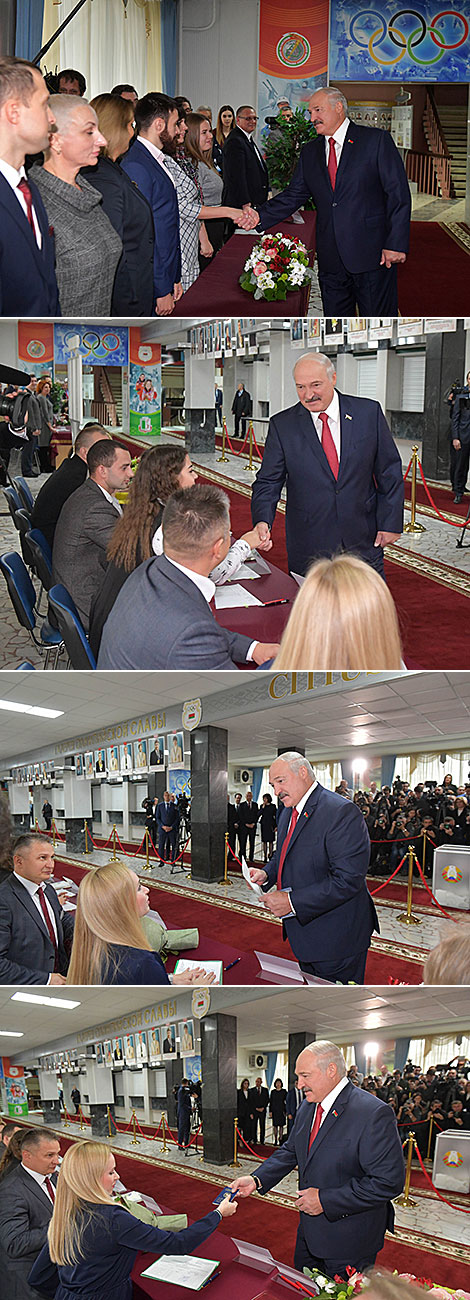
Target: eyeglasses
column 248, row 117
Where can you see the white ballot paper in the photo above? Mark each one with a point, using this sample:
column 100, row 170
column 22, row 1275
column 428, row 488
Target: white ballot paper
column 188, row 963
column 182, row 1270
column 233, row 596
column 256, row 888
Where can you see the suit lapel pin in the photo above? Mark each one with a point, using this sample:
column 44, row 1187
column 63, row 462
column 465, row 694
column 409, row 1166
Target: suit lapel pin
column 350, row 141
column 335, row 1113
column 348, row 417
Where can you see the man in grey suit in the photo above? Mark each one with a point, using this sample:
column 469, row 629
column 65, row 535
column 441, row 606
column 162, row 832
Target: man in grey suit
column 26, row 1204
column 58, row 487
column 86, row 523
column 35, row 933
column 161, row 618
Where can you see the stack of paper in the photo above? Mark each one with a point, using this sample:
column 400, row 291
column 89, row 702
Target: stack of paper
column 188, row 963
column 182, row 1270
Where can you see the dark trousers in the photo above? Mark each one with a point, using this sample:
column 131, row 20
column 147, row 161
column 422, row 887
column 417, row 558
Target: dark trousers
column 27, row 453
column 48, row 820
column 352, row 968
column 218, row 414
column 461, row 467
column 240, row 419
column 245, row 835
column 184, row 1125
column 330, row 1267
column 375, row 293
column 259, row 1118
column 167, row 844
column 453, row 454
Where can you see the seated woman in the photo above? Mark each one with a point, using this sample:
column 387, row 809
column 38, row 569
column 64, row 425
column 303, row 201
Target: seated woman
column 160, row 472
column 109, row 942
column 92, row 1243
column 343, row 617
column 193, row 210
column 126, row 207
column 87, row 246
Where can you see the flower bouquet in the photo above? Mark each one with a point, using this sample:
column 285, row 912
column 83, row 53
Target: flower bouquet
column 358, row 1283
column 274, row 266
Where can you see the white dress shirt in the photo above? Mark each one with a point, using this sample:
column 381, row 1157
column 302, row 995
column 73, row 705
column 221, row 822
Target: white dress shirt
column 251, row 140
column 13, row 177
column 329, row 1101
column 158, row 155
column 33, row 891
column 339, row 137
column 332, row 411
column 207, row 588
column 40, row 1179
column 109, row 497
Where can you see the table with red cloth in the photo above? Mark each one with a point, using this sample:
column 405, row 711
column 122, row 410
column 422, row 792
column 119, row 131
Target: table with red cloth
column 265, row 622
column 217, row 290
column 236, row 1278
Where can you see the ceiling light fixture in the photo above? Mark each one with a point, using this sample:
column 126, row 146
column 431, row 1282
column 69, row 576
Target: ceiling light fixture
column 10, row 1033
column 32, row 709
column 65, row 1003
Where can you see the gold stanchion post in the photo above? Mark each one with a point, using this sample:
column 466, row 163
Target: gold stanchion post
column 226, row 882
column 250, row 455
column 65, row 1119
column 110, row 1131
column 115, row 856
column 147, row 857
column 407, row 917
column 135, row 1141
column 86, row 838
column 405, row 1198
column 235, row 1163
column 431, row 1122
column 53, row 835
column 223, row 457
column 164, row 1147
column 82, row 1125
column 412, row 526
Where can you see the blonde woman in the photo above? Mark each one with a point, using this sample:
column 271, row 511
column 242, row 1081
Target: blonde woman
column 127, row 208
column 92, row 1243
column 109, row 943
column 343, row 617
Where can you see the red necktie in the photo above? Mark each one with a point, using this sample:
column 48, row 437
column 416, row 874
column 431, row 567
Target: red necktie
column 50, row 927
column 292, row 824
column 212, row 604
column 328, row 445
column 49, row 1188
column 332, row 162
column 316, row 1124
column 28, row 198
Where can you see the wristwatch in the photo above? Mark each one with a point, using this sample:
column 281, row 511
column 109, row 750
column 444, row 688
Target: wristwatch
column 257, row 1182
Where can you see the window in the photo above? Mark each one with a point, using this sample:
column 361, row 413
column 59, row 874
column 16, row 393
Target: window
column 412, row 381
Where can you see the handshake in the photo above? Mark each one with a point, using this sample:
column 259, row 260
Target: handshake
column 248, row 218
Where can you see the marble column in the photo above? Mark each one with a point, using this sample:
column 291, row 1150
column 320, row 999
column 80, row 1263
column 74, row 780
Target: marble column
column 209, row 785
column 289, row 749
column 49, row 1094
column 199, row 404
column 174, row 1072
column 445, row 362
column 99, row 1118
column 7, row 27
column 219, row 1072
column 297, row 1043
column 51, row 1111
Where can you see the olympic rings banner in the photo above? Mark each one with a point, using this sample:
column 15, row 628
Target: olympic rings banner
column 292, row 59
column 100, row 345
column 372, row 41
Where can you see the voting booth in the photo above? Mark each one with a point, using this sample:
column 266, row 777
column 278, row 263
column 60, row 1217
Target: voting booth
column 451, row 876
column 451, row 1169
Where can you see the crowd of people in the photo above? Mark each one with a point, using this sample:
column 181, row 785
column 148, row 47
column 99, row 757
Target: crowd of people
column 93, row 243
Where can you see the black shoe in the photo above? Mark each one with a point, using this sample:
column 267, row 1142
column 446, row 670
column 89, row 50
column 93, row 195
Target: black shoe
column 458, row 498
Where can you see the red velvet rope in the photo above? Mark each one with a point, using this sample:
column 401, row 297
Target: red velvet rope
column 387, row 882
column 462, row 522
column 441, row 1198
column 410, row 462
column 245, row 1144
column 434, row 899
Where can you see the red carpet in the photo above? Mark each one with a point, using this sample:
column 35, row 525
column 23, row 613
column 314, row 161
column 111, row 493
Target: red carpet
column 272, row 1226
column 219, row 928
column 422, row 603
column 437, row 271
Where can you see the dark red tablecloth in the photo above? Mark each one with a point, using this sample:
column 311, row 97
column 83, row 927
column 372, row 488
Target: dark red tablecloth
column 263, row 622
column 236, row 1280
column 218, row 292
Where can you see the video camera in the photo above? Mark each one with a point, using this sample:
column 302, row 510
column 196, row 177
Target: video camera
column 15, row 406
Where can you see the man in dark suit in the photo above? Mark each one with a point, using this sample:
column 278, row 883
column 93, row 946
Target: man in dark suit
column 460, row 427
column 259, row 1101
column 244, row 169
column 346, row 1147
column 167, row 821
column 86, row 523
column 294, row 1100
column 26, row 1203
column 248, row 813
column 343, row 472
column 318, row 872
column 66, row 479
column 241, row 407
column 156, row 117
column 35, row 933
column 360, row 189
column 184, row 1109
column 161, row 618
column 28, row 285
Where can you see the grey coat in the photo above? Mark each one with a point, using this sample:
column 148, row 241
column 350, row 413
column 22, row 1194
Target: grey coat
column 25, row 1214
column 83, row 530
column 87, row 246
column 46, row 411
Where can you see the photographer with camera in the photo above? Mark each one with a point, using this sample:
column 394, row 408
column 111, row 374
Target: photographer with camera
column 460, row 426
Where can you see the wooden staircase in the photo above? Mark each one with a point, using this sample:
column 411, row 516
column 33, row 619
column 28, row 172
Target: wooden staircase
column 453, row 120
column 106, row 406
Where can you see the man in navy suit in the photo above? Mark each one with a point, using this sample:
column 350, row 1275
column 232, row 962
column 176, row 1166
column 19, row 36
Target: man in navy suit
column 156, row 119
column 317, row 874
column 167, row 820
column 26, row 1203
column 294, row 1101
column 360, row 189
column 342, row 468
column 346, row 1147
column 28, row 285
column 35, row 933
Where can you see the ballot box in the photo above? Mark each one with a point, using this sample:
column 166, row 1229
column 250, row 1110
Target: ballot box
column 451, row 876
column 451, row 1169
